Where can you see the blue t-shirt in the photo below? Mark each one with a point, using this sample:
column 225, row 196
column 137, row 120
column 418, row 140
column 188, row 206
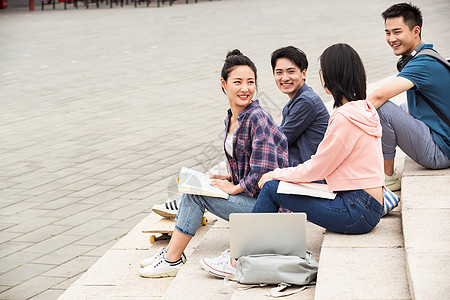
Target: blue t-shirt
column 305, row 120
column 432, row 79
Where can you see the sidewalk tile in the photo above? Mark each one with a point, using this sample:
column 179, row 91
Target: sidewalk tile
column 33, row 224
column 113, row 205
column 125, row 212
column 103, row 236
column 101, row 198
column 42, row 189
column 7, row 236
column 30, row 287
column 58, row 203
column 16, row 259
column 63, row 254
column 79, row 218
column 102, row 249
column 48, row 294
column 23, row 273
column 53, row 243
column 10, row 247
column 69, row 210
column 17, row 207
column 72, row 267
column 91, row 227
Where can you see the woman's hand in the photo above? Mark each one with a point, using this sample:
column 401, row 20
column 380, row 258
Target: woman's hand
column 221, row 177
column 266, row 177
column 227, row 186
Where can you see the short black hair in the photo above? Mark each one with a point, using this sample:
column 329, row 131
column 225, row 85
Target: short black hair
column 343, row 73
column 296, row 55
column 411, row 14
column 234, row 59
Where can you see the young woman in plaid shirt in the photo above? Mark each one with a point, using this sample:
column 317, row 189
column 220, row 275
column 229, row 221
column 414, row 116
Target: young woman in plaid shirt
column 253, row 146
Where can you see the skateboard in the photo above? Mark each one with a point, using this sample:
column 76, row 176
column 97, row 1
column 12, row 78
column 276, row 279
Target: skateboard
column 165, row 228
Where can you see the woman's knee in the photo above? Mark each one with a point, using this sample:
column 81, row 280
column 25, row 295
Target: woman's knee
column 189, row 200
column 270, row 186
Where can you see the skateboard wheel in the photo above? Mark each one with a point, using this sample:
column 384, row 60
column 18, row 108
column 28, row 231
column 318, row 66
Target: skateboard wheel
column 204, row 221
column 152, row 239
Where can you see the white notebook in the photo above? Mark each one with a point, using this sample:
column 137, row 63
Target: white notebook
column 198, row 183
column 312, row 189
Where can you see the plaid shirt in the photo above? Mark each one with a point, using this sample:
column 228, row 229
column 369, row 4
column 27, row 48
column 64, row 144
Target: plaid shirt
column 258, row 147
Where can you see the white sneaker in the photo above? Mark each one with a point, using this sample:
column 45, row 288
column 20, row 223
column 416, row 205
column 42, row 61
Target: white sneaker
column 219, row 266
column 168, row 209
column 392, row 182
column 148, row 261
column 159, row 253
column 162, row 268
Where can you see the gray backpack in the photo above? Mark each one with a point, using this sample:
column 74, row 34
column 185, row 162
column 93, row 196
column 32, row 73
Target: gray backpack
column 283, row 270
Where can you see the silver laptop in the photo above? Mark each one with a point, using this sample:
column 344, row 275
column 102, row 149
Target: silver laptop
column 268, row 233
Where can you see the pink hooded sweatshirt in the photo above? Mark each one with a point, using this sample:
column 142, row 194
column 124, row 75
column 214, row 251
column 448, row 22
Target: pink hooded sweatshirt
column 350, row 155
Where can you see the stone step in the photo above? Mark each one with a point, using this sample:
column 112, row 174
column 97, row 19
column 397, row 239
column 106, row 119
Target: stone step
column 426, row 223
column 115, row 274
column 369, row 266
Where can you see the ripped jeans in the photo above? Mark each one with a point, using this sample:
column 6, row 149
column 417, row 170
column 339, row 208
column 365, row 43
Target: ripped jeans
column 351, row 212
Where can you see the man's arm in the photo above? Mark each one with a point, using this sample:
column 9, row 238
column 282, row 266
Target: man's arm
column 299, row 119
column 389, row 90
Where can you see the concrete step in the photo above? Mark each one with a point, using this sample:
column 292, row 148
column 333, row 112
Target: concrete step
column 369, row 266
column 426, row 223
column 115, row 274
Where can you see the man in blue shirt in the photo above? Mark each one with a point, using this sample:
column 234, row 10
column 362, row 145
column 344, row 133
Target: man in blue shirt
column 421, row 134
column 305, row 117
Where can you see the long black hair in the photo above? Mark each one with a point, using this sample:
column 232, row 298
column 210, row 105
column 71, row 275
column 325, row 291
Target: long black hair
column 343, row 73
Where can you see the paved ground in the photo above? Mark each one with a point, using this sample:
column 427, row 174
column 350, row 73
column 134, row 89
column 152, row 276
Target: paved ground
column 101, row 107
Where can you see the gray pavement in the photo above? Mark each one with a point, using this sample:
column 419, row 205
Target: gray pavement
column 101, row 108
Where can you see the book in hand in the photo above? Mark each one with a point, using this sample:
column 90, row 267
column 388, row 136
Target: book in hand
column 197, row 183
column 312, row 189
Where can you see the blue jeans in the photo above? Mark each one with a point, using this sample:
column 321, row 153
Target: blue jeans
column 351, row 212
column 193, row 207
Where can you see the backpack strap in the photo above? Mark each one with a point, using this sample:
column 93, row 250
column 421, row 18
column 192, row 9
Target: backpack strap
column 433, row 53
column 231, row 280
column 280, row 290
column 276, row 292
column 434, row 108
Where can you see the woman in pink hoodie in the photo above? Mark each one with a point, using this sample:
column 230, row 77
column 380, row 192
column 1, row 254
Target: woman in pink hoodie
column 349, row 157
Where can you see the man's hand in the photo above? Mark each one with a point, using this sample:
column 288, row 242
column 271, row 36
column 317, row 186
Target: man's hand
column 391, row 89
column 266, row 177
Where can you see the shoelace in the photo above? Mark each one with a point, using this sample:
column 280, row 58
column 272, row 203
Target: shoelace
column 222, row 258
column 159, row 262
column 160, row 253
column 225, row 253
